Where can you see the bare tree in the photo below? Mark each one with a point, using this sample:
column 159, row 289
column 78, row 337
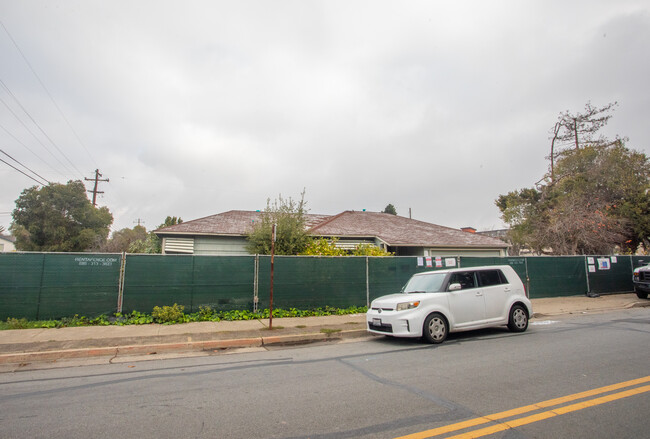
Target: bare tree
column 579, row 129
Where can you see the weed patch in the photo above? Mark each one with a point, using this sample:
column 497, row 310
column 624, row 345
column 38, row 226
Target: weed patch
column 174, row 314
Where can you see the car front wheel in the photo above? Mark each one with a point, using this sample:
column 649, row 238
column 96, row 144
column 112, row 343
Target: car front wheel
column 641, row 294
column 435, row 328
column 518, row 321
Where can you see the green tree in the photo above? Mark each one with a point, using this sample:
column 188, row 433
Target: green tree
column 291, row 233
column 122, row 240
column 390, row 209
column 597, row 201
column 59, row 218
column 152, row 243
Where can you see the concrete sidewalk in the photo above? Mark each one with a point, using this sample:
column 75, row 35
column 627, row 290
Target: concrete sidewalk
column 24, row 347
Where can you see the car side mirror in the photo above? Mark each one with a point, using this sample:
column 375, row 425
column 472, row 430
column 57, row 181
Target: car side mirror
column 455, row 287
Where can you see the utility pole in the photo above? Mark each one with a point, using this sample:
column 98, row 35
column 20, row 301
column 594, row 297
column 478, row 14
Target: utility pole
column 96, row 180
column 139, row 221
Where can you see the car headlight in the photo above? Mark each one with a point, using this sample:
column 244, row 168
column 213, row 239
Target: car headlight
column 407, row 305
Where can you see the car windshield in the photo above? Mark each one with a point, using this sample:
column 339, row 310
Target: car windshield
column 430, row 283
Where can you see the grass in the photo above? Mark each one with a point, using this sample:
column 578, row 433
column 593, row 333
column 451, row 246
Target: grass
column 329, row 331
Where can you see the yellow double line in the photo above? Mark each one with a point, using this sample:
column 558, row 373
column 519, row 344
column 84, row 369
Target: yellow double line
column 501, row 426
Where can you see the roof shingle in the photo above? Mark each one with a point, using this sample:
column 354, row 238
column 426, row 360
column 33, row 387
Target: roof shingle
column 392, row 229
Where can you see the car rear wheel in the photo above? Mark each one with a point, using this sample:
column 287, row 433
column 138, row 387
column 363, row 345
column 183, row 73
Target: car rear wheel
column 518, row 321
column 435, row 328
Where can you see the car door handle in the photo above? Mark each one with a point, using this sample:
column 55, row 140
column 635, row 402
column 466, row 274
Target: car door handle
column 479, row 293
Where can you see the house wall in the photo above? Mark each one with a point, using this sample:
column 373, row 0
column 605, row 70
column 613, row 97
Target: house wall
column 495, row 252
column 443, row 252
column 6, row 246
column 220, row 245
column 236, row 246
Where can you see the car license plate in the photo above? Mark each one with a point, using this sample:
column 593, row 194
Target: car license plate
column 376, row 322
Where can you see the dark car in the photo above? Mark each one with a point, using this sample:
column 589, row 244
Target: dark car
column 641, row 279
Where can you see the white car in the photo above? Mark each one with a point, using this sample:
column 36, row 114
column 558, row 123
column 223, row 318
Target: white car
column 435, row 303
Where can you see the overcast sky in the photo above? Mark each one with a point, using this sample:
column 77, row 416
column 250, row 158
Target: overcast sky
column 194, row 108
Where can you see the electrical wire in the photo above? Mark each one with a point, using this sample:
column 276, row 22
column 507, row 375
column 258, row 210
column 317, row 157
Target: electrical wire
column 39, row 176
column 48, row 93
column 39, row 127
column 28, row 149
column 36, row 137
column 26, row 175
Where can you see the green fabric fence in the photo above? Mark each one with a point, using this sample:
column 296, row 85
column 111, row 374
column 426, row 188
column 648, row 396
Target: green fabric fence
column 41, row 286
column 53, row 285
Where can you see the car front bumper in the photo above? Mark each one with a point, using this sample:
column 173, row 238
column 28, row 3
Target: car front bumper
column 396, row 323
column 642, row 286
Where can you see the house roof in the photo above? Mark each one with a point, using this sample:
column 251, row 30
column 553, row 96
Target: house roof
column 8, row 238
column 396, row 230
column 392, row 229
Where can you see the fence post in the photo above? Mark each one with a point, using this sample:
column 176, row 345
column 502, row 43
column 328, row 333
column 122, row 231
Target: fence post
column 367, row 284
column 40, row 289
column 120, row 283
column 587, row 277
column 527, row 276
column 256, row 273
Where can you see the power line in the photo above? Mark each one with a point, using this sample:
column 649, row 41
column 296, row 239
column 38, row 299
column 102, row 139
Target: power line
column 28, row 149
column 35, row 137
column 48, row 92
column 26, row 175
column 38, row 126
column 41, row 177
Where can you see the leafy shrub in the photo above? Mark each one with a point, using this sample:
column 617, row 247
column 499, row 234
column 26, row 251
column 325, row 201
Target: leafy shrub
column 205, row 313
column 174, row 314
column 370, row 250
column 168, row 314
column 323, row 247
column 16, row 323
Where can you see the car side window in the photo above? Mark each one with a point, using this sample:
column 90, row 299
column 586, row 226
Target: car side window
column 489, row 278
column 464, row 278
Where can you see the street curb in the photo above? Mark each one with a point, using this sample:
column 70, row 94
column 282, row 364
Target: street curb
column 287, row 340
column 114, row 351
column 261, row 341
column 638, row 304
column 162, row 348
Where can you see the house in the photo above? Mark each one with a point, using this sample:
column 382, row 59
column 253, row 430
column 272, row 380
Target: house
column 7, row 243
column 225, row 234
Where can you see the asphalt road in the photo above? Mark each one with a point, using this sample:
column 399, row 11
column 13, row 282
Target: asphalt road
column 575, row 376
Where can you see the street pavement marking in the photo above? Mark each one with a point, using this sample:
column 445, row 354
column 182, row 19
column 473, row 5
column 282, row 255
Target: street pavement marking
column 532, row 407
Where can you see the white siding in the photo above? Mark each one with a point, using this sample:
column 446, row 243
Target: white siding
column 220, row 245
column 6, row 246
column 464, row 252
column 179, row 245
